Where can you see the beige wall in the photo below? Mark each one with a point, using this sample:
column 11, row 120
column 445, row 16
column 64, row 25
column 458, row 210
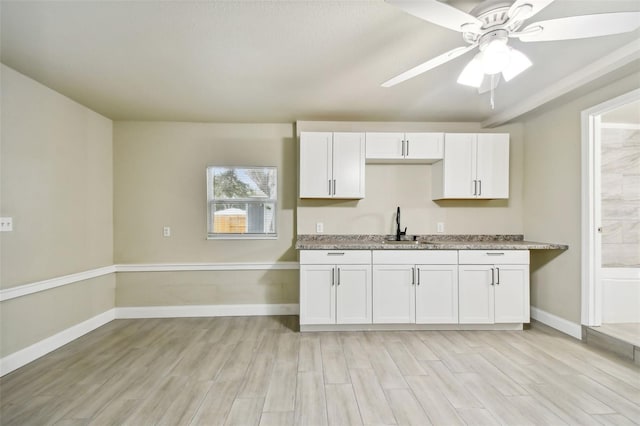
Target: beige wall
column 207, row 288
column 552, row 202
column 56, row 182
column 160, row 181
column 409, row 186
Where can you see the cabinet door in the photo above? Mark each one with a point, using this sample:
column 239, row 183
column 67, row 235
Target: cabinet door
column 393, row 294
column 493, row 165
column 384, row 146
column 353, row 294
column 348, row 165
column 475, row 294
column 424, row 146
column 315, row 164
column 437, row 294
column 512, row 294
column 317, row 294
column 459, row 168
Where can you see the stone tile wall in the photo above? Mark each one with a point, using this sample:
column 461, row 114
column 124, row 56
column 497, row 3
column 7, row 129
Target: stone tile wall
column 620, row 197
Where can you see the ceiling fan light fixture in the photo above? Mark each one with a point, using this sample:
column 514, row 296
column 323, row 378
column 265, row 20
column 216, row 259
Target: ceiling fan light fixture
column 496, row 56
column 472, row 75
column 518, row 63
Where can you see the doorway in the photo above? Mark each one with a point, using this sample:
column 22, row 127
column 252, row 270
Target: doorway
column 611, row 218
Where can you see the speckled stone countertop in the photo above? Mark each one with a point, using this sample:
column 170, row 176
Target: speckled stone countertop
column 421, row 242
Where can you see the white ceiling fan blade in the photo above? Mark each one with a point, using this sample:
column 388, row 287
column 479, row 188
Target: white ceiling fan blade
column 430, row 64
column 439, row 13
column 584, row 26
column 525, row 9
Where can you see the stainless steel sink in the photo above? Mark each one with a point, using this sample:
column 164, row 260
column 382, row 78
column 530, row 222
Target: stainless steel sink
column 403, row 242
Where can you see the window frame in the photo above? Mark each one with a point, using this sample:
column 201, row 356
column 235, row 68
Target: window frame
column 212, row 201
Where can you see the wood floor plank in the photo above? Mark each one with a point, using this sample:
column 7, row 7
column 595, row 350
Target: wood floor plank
column 245, row 412
column 334, row 364
column 342, row 408
column 374, row 408
column 403, row 359
column 310, row 355
column 217, row 404
column 277, row 418
column 281, row 393
column 451, row 386
column 311, row 406
column 184, row 407
column 406, row 409
column 433, row 402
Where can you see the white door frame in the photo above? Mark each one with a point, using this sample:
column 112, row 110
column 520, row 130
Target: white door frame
column 591, row 219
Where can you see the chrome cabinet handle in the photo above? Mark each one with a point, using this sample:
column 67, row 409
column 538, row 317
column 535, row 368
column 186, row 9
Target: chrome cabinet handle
column 407, row 148
column 335, row 253
column 418, row 273
column 480, row 186
column 333, row 276
column 403, row 147
column 329, row 186
column 338, row 276
column 413, row 276
column 334, row 187
column 498, row 281
column 493, row 278
column 475, row 187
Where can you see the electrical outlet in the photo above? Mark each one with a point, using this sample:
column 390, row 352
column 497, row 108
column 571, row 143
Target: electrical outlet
column 6, row 224
column 319, row 227
column 166, row 231
column 440, row 227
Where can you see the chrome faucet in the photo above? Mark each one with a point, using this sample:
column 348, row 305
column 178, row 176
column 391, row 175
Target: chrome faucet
column 399, row 233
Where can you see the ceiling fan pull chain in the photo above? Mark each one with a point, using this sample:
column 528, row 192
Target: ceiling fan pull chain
column 493, row 105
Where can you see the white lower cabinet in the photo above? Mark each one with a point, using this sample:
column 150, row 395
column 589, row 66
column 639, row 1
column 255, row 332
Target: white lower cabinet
column 493, row 287
column 415, row 286
column 335, row 287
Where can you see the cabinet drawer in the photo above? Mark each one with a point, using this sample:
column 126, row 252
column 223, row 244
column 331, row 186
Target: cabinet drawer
column 492, row 257
column 332, row 257
column 415, row 257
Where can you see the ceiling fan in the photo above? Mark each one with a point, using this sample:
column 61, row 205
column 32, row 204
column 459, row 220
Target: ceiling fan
column 491, row 24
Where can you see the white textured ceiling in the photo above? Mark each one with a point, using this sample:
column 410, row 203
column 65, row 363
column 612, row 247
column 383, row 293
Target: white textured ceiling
column 270, row 61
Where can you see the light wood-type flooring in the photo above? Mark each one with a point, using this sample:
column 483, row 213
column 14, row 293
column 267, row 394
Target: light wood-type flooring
column 627, row 332
column 261, row 371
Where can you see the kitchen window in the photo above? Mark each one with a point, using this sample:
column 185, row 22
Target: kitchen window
column 241, row 202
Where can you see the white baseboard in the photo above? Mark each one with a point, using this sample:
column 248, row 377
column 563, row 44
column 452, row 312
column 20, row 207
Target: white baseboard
column 43, row 347
column 206, row 311
column 560, row 324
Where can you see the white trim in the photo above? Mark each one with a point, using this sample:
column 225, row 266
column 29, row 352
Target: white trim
column 26, row 289
column 591, row 314
column 43, row 347
column 626, row 126
column 410, row 327
column 206, row 311
column 621, row 273
column 560, row 324
column 167, row 267
column 614, row 60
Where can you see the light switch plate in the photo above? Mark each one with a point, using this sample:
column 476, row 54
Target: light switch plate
column 319, row 227
column 440, row 227
column 6, row 224
column 166, row 231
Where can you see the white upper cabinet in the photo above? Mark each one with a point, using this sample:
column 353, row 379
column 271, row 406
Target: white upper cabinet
column 389, row 147
column 474, row 166
column 332, row 165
